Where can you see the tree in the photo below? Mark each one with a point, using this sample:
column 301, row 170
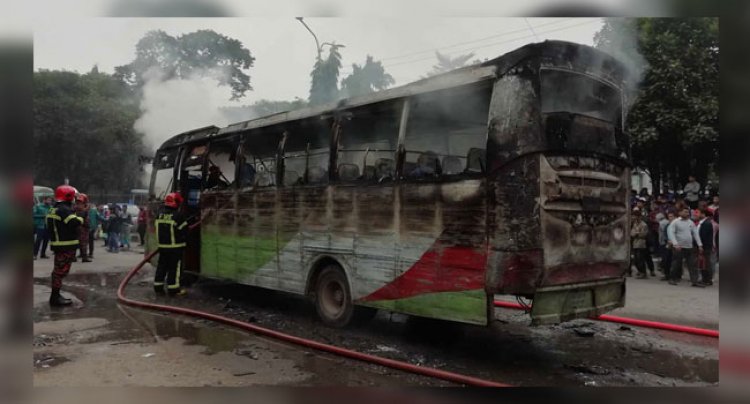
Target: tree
column 366, row 79
column 201, row 53
column 446, row 63
column 325, row 77
column 674, row 120
column 83, row 130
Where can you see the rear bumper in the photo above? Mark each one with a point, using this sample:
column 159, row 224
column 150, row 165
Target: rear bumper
column 555, row 304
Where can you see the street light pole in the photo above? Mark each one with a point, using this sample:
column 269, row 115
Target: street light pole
column 317, row 44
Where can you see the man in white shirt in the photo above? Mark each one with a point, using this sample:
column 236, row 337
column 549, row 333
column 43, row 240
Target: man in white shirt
column 683, row 235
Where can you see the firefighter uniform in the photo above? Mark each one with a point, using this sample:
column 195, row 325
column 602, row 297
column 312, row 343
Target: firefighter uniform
column 63, row 225
column 171, row 234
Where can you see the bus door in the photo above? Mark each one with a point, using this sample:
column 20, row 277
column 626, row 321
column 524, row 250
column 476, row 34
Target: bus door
column 190, row 180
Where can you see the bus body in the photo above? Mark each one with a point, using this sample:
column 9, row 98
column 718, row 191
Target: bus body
column 510, row 177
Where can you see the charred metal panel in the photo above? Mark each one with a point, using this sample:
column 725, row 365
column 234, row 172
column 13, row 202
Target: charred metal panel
column 584, row 219
column 515, row 233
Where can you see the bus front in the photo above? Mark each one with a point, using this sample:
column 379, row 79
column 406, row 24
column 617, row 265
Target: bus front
column 560, row 170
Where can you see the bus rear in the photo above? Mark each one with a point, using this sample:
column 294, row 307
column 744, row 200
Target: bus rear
column 560, row 175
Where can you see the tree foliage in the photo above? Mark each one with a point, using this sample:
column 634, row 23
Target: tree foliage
column 674, row 121
column 325, row 77
column 445, row 63
column 83, row 130
column 201, row 53
column 367, row 78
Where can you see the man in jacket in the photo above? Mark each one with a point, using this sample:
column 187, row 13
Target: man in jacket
column 706, row 233
column 171, row 235
column 41, row 236
column 142, row 224
column 683, row 235
column 94, row 219
column 64, row 226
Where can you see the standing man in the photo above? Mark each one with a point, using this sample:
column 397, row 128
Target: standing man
column 142, row 224
column 692, row 192
column 171, row 235
column 63, row 225
column 114, row 227
column 666, row 246
column 683, row 234
column 41, row 235
column 706, row 232
column 94, row 219
column 82, row 210
column 638, row 234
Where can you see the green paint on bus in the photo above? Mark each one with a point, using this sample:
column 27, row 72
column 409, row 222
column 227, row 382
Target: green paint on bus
column 468, row 306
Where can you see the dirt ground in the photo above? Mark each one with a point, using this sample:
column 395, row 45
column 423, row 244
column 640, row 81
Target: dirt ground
column 97, row 342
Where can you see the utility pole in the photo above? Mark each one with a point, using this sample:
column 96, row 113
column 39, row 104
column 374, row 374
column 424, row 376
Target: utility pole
column 318, row 46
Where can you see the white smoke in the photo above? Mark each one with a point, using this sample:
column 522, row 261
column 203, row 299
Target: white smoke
column 176, row 105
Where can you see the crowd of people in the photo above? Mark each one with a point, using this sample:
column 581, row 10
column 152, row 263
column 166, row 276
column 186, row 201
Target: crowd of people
column 109, row 222
column 681, row 228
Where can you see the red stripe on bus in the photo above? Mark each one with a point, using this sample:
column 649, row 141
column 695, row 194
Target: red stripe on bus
column 440, row 269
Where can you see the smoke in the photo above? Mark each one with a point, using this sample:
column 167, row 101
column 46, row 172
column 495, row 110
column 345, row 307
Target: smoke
column 176, row 105
column 625, row 48
column 173, row 106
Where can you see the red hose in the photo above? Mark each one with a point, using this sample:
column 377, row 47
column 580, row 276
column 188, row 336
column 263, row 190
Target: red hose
column 391, row 363
column 633, row 321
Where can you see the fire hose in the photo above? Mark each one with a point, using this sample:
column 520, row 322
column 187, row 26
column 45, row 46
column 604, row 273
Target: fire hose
column 347, row 353
column 632, row 321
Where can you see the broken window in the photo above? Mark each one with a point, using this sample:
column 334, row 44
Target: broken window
column 221, row 168
column 163, row 176
column 307, row 152
column 446, row 133
column 367, row 143
column 258, row 163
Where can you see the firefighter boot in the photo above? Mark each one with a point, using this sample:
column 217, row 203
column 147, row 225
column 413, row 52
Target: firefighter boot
column 159, row 290
column 177, row 292
column 56, row 299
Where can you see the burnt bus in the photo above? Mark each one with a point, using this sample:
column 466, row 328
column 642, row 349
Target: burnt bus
column 508, row 177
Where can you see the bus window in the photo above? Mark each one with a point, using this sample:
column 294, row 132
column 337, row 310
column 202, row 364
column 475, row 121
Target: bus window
column 307, row 153
column 367, row 145
column 191, row 174
column 258, row 163
column 163, row 173
column 221, row 169
column 446, row 133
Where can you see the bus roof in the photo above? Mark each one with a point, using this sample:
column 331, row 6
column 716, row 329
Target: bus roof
column 559, row 50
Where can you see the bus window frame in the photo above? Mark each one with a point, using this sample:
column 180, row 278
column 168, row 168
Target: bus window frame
column 241, row 158
column 235, row 141
column 156, row 167
column 289, row 131
column 487, row 85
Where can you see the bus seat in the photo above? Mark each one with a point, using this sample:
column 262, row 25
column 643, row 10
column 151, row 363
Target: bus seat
column 409, row 167
column 290, row 178
column 348, row 172
column 369, row 172
column 427, row 164
column 384, row 167
column 476, row 160
column 452, row 165
column 316, row 175
column 263, row 179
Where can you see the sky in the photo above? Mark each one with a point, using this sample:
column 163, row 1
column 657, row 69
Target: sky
column 285, row 51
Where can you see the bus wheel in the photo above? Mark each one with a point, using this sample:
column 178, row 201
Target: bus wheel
column 333, row 300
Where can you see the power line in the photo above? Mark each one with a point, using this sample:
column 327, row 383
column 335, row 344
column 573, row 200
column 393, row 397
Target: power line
column 444, row 51
column 531, row 28
column 490, row 44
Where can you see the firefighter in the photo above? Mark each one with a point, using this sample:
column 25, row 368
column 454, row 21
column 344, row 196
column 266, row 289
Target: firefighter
column 64, row 226
column 82, row 210
column 171, row 234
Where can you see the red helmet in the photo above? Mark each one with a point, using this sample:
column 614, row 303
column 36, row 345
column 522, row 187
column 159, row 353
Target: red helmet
column 83, row 198
column 173, row 200
column 65, row 193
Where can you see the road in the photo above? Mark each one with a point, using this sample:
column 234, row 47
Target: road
column 99, row 343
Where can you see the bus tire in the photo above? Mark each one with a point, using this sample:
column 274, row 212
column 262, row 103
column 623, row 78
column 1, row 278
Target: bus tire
column 333, row 299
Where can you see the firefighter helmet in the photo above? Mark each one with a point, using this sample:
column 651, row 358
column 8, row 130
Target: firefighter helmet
column 173, row 200
column 65, row 193
column 83, row 198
